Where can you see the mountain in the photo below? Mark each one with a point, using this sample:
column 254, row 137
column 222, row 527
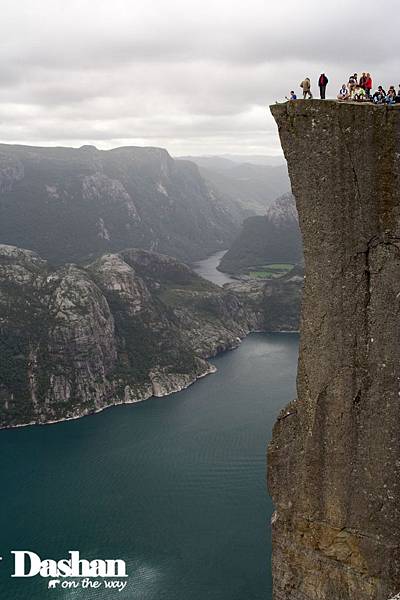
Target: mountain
column 273, row 238
column 70, row 204
column 119, row 329
column 334, row 458
column 275, row 302
column 252, row 187
column 74, row 340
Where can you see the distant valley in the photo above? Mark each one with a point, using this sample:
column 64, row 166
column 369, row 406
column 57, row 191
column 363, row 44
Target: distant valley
column 72, row 204
column 252, row 186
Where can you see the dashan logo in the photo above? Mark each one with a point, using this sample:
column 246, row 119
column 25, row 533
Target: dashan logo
column 72, row 572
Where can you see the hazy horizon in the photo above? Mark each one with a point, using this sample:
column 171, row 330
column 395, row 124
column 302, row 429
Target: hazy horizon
column 276, row 158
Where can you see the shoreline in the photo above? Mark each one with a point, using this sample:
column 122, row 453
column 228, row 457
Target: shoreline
column 210, row 371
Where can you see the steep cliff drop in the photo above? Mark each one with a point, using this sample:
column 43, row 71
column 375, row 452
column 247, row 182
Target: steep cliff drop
column 334, row 460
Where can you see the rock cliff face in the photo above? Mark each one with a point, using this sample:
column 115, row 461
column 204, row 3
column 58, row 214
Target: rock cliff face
column 334, row 461
column 276, row 303
column 125, row 327
column 70, row 204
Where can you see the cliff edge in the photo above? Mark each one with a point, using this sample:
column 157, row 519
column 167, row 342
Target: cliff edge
column 334, row 459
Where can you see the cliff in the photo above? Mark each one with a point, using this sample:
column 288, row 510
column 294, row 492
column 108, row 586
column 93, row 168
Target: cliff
column 334, row 459
column 276, row 302
column 69, row 204
column 127, row 326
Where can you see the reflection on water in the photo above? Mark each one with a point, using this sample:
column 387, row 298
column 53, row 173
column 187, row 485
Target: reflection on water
column 174, row 485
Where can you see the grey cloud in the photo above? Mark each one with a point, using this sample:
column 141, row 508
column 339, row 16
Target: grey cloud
column 194, row 76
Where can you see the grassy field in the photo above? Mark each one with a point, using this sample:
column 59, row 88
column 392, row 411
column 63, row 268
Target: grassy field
column 272, row 271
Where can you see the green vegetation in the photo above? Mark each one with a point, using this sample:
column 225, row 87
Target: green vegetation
column 179, row 294
column 280, row 267
column 272, row 271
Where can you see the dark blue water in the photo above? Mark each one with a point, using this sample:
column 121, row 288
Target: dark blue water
column 175, row 486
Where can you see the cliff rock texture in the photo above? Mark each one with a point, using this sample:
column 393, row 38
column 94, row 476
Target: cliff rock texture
column 127, row 326
column 334, row 460
column 276, row 302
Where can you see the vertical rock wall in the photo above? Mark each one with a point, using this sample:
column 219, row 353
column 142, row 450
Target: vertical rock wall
column 334, row 461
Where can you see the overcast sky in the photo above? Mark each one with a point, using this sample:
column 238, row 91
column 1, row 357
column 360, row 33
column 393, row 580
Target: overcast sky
column 193, row 76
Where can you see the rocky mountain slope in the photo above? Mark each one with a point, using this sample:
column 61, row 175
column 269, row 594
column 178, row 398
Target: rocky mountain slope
column 334, row 460
column 124, row 327
column 68, row 204
column 273, row 238
column 276, row 303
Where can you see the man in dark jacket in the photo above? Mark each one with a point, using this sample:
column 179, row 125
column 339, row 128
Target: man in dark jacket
column 322, row 83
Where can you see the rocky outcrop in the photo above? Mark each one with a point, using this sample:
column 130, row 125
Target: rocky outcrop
column 70, row 204
column 334, row 460
column 276, row 303
column 127, row 326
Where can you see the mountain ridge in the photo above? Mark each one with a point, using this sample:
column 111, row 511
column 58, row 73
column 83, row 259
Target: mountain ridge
column 69, row 204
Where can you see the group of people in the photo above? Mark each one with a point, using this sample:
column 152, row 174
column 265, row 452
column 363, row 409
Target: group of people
column 389, row 97
column 357, row 89
column 360, row 90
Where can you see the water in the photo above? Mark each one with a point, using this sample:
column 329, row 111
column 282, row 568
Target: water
column 175, row 486
column 208, row 269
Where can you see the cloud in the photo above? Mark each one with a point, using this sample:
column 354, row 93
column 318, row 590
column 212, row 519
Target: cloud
column 193, row 76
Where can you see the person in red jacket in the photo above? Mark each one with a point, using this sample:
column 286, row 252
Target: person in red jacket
column 322, row 83
column 368, row 84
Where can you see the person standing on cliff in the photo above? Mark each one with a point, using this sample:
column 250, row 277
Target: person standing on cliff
column 368, row 84
column 306, row 85
column 322, row 83
column 353, row 81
